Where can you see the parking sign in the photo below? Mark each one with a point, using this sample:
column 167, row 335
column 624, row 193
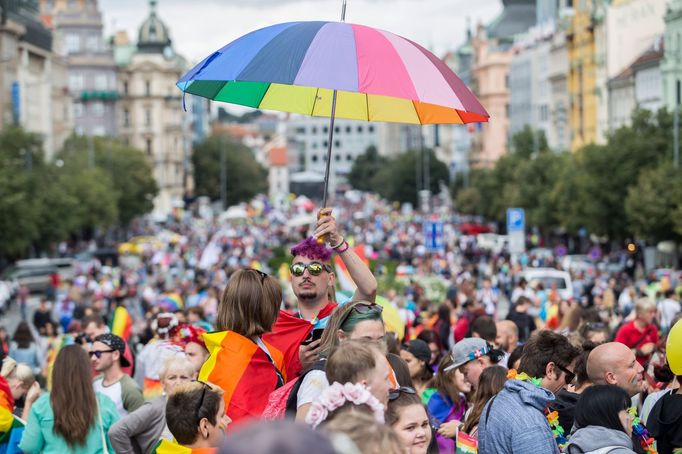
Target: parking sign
column 516, row 220
column 433, row 235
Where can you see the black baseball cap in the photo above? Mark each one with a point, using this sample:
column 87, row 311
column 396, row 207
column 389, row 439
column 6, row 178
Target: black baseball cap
column 115, row 343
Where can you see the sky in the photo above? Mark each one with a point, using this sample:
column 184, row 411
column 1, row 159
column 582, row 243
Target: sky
column 199, row 27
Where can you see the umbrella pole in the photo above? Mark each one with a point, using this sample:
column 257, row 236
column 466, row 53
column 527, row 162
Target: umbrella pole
column 329, row 150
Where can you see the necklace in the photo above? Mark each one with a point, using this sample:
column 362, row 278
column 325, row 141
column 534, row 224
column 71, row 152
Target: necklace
column 645, row 440
column 552, row 416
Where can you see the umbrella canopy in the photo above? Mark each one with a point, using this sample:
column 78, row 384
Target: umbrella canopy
column 296, row 66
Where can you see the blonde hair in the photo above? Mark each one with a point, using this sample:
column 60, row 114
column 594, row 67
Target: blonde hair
column 19, row 371
column 643, row 305
column 179, row 362
column 365, row 432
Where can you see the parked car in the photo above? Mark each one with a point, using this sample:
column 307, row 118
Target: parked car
column 8, row 290
column 549, row 277
column 65, row 265
column 35, row 276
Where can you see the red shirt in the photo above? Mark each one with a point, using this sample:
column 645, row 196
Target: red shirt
column 631, row 336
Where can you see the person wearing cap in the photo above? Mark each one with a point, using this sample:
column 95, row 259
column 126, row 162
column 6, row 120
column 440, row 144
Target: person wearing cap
column 417, row 355
column 107, row 356
column 471, row 355
column 665, row 420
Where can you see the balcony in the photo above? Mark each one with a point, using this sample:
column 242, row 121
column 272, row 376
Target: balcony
column 99, row 95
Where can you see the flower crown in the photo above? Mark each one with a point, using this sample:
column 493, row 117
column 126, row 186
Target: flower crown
column 336, row 396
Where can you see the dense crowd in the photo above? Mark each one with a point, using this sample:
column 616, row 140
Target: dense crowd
column 197, row 341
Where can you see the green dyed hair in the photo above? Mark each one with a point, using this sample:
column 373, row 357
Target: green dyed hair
column 345, row 319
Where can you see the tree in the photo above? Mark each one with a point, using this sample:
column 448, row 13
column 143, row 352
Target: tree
column 365, row 168
column 652, row 203
column 397, row 180
column 245, row 177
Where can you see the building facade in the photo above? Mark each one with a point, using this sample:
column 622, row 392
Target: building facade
column 151, row 116
column 671, row 64
column 77, row 27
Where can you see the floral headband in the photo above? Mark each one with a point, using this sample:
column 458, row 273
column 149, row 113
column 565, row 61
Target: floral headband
column 184, row 334
column 336, row 396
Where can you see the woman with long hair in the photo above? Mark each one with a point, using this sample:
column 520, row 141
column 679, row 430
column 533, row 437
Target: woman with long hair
column 490, row 383
column 72, row 417
column 24, row 348
column 603, row 421
column 446, row 402
column 355, row 320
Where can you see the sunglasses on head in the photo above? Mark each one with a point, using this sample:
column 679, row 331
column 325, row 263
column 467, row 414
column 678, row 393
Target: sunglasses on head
column 314, row 268
column 204, row 387
column 362, row 308
column 395, row 393
column 262, row 275
column 570, row 376
column 98, row 353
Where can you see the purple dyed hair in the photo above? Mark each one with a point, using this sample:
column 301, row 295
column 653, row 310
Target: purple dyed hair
column 312, row 249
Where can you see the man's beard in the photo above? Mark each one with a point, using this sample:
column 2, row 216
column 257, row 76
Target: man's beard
column 307, row 295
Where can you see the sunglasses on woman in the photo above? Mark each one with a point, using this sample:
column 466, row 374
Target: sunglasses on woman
column 314, row 268
column 395, row 393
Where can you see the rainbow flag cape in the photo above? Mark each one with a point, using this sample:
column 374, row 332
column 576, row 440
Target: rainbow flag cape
column 11, row 428
column 466, row 444
column 170, row 447
column 121, row 323
column 243, row 371
column 288, row 333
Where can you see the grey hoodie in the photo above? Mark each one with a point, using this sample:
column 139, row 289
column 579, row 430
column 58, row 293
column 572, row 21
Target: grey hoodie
column 592, row 438
column 517, row 423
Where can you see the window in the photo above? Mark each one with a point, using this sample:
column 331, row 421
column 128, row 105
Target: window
column 314, row 145
column 349, row 157
column 125, row 88
column 101, row 82
column 313, row 158
column 148, row 88
column 337, row 158
column 360, row 129
column 325, row 144
column 147, row 116
column 337, row 143
column 348, row 129
column 300, row 130
column 92, row 44
column 314, row 130
column 77, row 109
column 370, row 128
column 97, row 108
column 98, row 131
column 325, row 130
column 76, row 82
column 73, row 43
column 126, row 117
column 149, row 147
column 337, row 130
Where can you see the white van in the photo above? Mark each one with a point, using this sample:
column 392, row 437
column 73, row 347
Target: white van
column 549, row 277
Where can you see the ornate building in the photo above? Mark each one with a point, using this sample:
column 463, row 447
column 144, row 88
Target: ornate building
column 151, row 117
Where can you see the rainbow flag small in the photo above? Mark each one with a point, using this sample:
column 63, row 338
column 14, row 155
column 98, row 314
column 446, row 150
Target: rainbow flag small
column 11, row 428
column 121, row 323
column 243, row 371
column 152, row 388
column 466, row 444
column 170, row 447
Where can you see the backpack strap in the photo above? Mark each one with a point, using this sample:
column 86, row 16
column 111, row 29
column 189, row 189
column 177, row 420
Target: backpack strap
column 292, row 400
column 490, row 407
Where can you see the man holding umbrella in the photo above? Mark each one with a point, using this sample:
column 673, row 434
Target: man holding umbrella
column 312, row 281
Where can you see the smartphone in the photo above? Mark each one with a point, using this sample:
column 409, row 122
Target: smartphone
column 315, row 334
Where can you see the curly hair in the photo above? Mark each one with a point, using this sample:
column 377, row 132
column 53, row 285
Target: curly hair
column 312, row 249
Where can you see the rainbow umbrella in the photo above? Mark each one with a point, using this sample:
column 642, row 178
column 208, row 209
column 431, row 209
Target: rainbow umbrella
column 335, row 69
column 170, row 302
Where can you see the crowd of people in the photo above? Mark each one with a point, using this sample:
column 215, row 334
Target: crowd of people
column 203, row 346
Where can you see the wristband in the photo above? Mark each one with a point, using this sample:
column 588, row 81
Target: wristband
column 341, row 248
column 338, row 245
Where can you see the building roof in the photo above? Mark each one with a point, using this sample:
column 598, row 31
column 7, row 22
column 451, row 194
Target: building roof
column 649, row 57
column 516, row 17
column 153, row 36
column 278, row 157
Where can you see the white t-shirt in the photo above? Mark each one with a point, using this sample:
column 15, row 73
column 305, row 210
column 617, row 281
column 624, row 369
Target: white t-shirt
column 669, row 308
column 312, row 386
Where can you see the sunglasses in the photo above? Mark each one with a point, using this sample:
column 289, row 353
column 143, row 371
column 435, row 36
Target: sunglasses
column 262, row 275
column 314, row 268
column 570, row 376
column 98, row 353
column 395, row 393
column 204, row 387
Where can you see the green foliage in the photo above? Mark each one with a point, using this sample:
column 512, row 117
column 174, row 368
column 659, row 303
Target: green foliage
column 365, row 168
column 245, row 177
column 44, row 202
column 397, row 180
column 599, row 187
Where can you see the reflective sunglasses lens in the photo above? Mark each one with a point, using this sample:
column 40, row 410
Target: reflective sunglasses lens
column 315, row 268
column 297, row 269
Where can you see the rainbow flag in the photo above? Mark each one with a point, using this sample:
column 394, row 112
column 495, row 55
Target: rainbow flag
column 121, row 323
column 288, row 333
column 342, row 275
column 466, row 444
column 152, row 388
column 243, row 371
column 170, row 447
column 11, row 428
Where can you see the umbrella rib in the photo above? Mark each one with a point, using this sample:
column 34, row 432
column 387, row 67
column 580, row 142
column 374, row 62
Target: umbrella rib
column 417, row 113
column 314, row 101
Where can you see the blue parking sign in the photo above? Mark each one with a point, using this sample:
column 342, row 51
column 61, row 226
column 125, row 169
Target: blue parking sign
column 433, row 235
column 516, row 220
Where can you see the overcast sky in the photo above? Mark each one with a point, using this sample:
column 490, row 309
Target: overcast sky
column 199, row 27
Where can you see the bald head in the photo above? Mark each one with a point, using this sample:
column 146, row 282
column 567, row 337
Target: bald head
column 507, row 335
column 614, row 363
